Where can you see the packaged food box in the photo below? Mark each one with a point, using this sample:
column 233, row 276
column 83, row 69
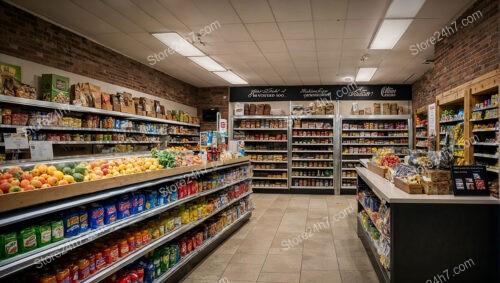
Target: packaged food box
column 55, row 88
column 116, row 101
column 106, row 103
column 127, row 104
column 11, row 70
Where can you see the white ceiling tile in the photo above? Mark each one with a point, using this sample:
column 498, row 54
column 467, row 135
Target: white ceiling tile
column 255, row 11
column 355, row 43
column 233, row 32
column 442, row 9
column 136, row 15
column 297, row 30
column 303, row 56
column 161, row 14
column 329, row 29
column 282, row 57
column 360, row 28
column 217, row 48
column 329, row 55
column 291, row 10
column 329, row 45
column 272, row 46
column 248, row 47
column 301, row 45
column 329, row 9
column 218, row 10
column 419, row 31
column 328, row 64
column 362, row 9
column 127, row 45
column 150, row 41
column 264, row 31
column 209, row 33
column 186, row 12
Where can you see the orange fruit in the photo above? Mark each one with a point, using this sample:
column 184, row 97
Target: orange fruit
column 59, row 175
column 51, row 170
column 42, row 168
column 42, row 180
column 36, row 183
column 25, row 183
column 45, row 186
column 62, row 182
column 52, row 181
column 35, row 172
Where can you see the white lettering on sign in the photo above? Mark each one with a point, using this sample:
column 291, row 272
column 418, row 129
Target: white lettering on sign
column 388, row 91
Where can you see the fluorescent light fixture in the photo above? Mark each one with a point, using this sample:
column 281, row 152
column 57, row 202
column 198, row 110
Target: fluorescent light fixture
column 208, row 63
column 231, row 77
column 178, row 44
column 389, row 33
column 365, row 74
column 404, row 8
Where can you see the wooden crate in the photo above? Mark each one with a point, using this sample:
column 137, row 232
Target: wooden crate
column 409, row 188
column 23, row 199
column 377, row 169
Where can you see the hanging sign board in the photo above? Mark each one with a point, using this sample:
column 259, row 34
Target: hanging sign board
column 315, row 92
column 41, row 150
column 15, row 141
column 431, row 119
column 469, row 181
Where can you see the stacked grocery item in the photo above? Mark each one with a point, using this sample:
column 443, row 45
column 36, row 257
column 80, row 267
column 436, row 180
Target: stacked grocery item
column 261, row 124
column 374, row 125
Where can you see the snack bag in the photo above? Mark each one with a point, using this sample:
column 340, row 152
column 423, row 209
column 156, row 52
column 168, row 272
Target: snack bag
column 57, row 228
column 71, row 224
column 9, row 245
column 27, row 239
column 43, row 234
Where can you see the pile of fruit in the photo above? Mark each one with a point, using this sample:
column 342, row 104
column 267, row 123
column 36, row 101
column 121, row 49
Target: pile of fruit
column 389, row 161
column 41, row 176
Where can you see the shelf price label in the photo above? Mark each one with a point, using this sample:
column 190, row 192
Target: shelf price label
column 15, row 141
column 41, row 150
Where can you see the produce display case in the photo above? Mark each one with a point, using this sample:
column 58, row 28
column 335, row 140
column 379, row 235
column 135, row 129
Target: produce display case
column 313, row 154
column 75, row 130
column 266, row 141
column 361, row 139
column 194, row 186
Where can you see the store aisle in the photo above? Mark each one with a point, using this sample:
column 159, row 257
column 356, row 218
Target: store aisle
column 255, row 253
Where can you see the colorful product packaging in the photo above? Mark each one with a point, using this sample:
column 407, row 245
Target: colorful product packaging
column 10, row 247
column 43, row 234
column 123, row 207
column 57, row 228
column 84, row 219
column 96, row 216
column 110, row 213
column 151, row 198
column 71, row 223
column 27, row 239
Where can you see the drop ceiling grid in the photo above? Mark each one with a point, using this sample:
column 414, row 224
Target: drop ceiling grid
column 280, row 41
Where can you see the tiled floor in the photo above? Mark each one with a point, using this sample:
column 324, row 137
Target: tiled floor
column 260, row 251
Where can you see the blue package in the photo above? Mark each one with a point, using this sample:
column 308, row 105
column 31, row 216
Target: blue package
column 151, row 198
column 142, row 203
column 173, row 195
column 71, row 221
column 149, row 272
column 84, row 219
column 134, row 204
column 96, row 216
column 109, row 213
column 123, row 207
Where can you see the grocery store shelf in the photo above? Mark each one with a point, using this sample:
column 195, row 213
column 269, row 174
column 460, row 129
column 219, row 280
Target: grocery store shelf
column 451, row 121
column 358, row 153
column 81, row 109
column 312, row 187
column 486, row 130
column 280, row 170
column 421, row 126
column 354, row 160
column 78, row 129
column 316, row 144
column 348, row 169
column 485, row 108
column 348, row 187
column 270, row 161
column 374, row 117
column 493, row 170
column 269, row 178
column 184, row 262
column 184, row 142
column 263, row 140
column 422, row 146
column 486, row 143
column 265, row 151
column 484, row 155
column 484, row 119
column 272, row 188
column 104, row 142
column 124, row 261
column 82, row 198
column 311, row 159
column 369, row 212
column 314, row 137
column 374, row 137
column 312, row 117
column 313, row 129
column 421, row 137
column 379, row 144
column 185, row 135
column 260, row 129
column 311, row 177
column 350, row 178
column 372, row 252
column 25, row 260
column 239, row 117
column 374, row 130
column 313, row 151
column 326, row 168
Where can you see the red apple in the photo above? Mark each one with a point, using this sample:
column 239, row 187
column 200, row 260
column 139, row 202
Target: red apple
column 15, row 182
column 26, row 176
column 4, row 186
column 105, row 171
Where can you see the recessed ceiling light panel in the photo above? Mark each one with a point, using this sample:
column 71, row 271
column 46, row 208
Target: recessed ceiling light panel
column 389, row 33
column 365, row 74
column 207, row 63
column 231, row 78
column 178, row 44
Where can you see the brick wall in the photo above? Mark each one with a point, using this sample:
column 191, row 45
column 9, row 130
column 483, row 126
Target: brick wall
column 28, row 37
column 215, row 97
column 470, row 52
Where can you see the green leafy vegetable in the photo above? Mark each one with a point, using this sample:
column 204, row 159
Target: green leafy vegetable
column 166, row 158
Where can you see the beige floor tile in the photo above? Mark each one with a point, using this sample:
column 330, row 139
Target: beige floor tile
column 279, row 277
column 349, row 248
column 251, row 250
column 311, row 262
column 285, row 250
column 208, row 271
column 316, row 276
column 242, row 272
column 218, row 258
column 327, row 251
column 282, row 263
column 355, row 263
column 257, row 259
column 356, row 276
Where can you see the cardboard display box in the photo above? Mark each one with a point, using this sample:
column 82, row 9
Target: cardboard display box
column 116, row 101
column 55, row 88
column 86, row 94
column 128, row 105
column 106, row 102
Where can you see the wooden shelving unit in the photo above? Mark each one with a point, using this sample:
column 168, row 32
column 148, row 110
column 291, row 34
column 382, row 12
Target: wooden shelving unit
column 421, row 131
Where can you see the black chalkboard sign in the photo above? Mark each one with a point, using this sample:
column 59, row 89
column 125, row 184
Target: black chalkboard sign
column 469, row 181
